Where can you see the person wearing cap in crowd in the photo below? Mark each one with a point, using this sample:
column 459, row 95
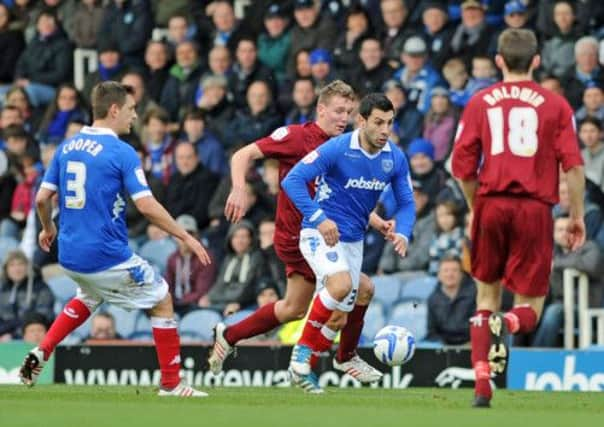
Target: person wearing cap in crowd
column 593, row 103
column 372, row 70
column 416, row 75
column 515, row 15
column 274, row 43
column 408, row 121
column 396, row 30
column 310, row 31
column 321, row 68
column 437, row 32
column 423, row 168
column 557, row 51
column 471, row 37
column 440, row 122
column 189, row 281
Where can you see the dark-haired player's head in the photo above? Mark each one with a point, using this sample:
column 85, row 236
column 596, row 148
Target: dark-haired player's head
column 113, row 103
column 517, row 52
column 376, row 117
column 334, row 106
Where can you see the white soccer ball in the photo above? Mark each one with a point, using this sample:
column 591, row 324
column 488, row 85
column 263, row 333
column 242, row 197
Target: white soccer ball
column 394, row 345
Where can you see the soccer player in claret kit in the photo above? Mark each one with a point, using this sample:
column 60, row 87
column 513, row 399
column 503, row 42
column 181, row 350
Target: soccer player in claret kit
column 93, row 172
column 289, row 145
column 354, row 169
column 511, row 142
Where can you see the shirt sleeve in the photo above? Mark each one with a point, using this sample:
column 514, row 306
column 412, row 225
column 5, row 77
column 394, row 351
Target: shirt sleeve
column 403, row 193
column 133, row 175
column 51, row 177
column 567, row 144
column 314, row 164
column 283, row 143
column 467, row 149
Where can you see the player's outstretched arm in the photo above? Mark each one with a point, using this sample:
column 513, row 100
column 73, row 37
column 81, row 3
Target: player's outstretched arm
column 236, row 204
column 386, row 227
column 44, row 209
column 576, row 194
column 158, row 215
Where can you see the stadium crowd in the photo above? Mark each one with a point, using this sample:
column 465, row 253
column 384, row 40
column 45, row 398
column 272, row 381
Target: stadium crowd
column 208, row 80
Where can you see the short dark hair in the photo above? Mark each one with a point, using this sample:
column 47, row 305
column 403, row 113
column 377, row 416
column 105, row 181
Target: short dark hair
column 195, row 114
column 15, row 131
column 106, row 94
column 34, row 318
column 158, row 114
column 517, row 47
column 451, row 257
column 374, row 101
column 591, row 120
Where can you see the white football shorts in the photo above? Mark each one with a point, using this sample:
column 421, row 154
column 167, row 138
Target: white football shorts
column 327, row 260
column 131, row 285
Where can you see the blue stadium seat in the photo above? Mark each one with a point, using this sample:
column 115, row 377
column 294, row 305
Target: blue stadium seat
column 387, row 290
column 419, row 288
column 7, row 244
column 125, row 321
column 158, row 251
column 237, row 317
column 199, row 323
column 413, row 316
column 375, row 320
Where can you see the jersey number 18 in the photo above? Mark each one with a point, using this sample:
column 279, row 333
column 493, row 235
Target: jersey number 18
column 523, row 123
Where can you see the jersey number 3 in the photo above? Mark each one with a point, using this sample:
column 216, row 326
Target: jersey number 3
column 523, row 123
column 77, row 200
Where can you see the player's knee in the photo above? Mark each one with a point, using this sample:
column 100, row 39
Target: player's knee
column 292, row 311
column 339, row 285
column 366, row 291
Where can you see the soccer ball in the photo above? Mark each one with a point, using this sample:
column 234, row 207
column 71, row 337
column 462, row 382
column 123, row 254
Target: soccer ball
column 394, row 345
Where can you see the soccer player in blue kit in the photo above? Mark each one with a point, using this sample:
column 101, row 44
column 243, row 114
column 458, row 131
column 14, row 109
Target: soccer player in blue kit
column 92, row 173
column 353, row 170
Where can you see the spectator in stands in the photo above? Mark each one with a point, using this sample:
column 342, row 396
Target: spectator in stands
column 590, row 134
column 456, row 75
column 179, row 31
column 102, row 327
column 87, row 21
column 46, row 62
column 440, row 123
column 247, row 69
column 423, row 169
column 396, row 29
column 437, row 32
column 10, row 115
column 64, row 10
column 423, row 231
column 191, row 186
column 373, row 69
column 348, row 45
column 557, row 52
column 129, row 24
column 235, row 286
column 593, row 103
column 22, row 10
column 178, row 93
column 66, row 107
column 516, row 16
column 321, row 68
column 11, row 46
column 227, row 30
column 156, row 61
column 8, row 183
column 274, row 43
column 219, row 61
column 417, row 76
column 304, row 96
column 215, row 103
column 449, row 235
column 17, row 97
column 158, row 144
column 275, row 269
column 270, row 176
column 111, row 67
column 21, row 291
column 258, row 119
column 452, row 304
column 552, row 83
column 35, row 326
column 144, row 103
column 310, row 30
column 209, row 150
column 587, row 70
column 472, row 35
column 592, row 216
column 586, row 259
column 163, row 10
column 189, row 281
column 483, row 74
column 408, row 120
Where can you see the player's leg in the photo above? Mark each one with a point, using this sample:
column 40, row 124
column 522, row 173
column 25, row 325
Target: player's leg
column 73, row 315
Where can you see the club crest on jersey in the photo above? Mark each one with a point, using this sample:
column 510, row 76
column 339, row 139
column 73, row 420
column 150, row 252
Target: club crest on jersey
column 387, row 165
column 140, row 175
column 310, row 157
column 332, row 256
column 279, row 133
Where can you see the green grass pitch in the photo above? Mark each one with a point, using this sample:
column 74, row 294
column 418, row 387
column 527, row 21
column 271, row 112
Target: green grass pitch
column 91, row 406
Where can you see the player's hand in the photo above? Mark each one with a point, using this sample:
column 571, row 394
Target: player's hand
column 387, row 229
column 576, row 233
column 195, row 246
column 400, row 245
column 234, row 210
column 329, row 231
column 46, row 237
column 232, row 307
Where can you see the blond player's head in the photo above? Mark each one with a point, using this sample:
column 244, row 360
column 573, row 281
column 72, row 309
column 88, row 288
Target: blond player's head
column 334, row 106
column 517, row 52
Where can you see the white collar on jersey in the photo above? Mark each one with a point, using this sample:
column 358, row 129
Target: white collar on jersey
column 355, row 144
column 98, row 131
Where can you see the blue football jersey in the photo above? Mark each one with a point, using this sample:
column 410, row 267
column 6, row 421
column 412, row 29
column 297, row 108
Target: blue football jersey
column 93, row 172
column 349, row 184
